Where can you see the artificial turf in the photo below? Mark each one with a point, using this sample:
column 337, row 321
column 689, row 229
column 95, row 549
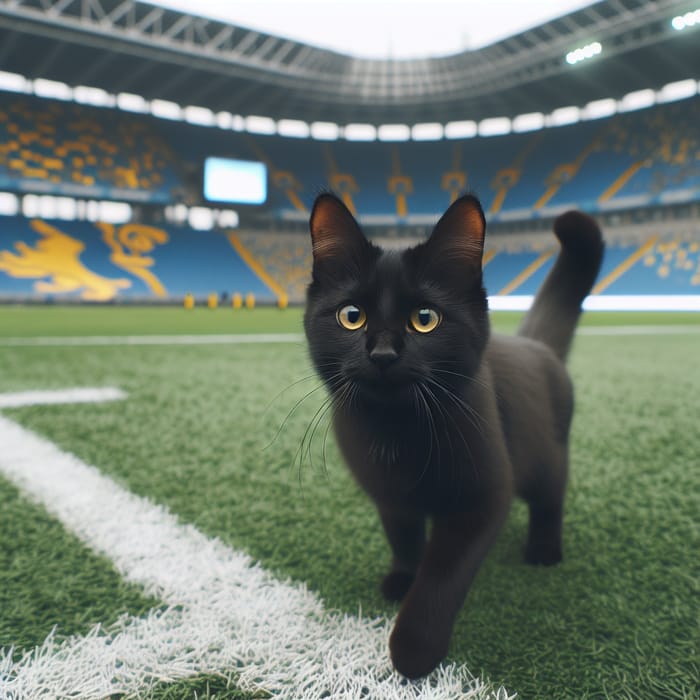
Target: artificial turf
column 99, row 320
column 49, row 579
column 199, row 433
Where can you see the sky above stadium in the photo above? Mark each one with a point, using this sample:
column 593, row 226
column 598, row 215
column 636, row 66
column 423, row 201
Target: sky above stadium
column 384, row 28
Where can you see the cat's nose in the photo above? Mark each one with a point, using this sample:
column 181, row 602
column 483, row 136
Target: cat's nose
column 383, row 353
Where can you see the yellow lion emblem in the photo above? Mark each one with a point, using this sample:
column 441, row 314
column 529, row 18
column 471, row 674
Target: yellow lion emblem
column 57, row 257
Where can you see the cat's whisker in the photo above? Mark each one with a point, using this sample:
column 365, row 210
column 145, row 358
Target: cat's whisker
column 290, row 414
column 447, row 417
column 469, row 378
column 307, row 438
column 307, row 378
column 432, row 432
column 474, row 417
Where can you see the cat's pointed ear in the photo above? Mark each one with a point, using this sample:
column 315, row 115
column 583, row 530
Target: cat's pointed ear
column 459, row 235
column 336, row 238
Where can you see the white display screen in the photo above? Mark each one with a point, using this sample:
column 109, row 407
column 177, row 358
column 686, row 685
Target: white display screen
column 235, row 181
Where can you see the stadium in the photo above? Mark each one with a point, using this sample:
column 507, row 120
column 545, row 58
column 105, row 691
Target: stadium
column 177, row 520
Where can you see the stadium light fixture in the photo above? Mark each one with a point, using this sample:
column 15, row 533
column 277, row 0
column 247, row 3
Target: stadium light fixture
column 532, row 121
column 325, row 131
column 52, row 89
column 201, row 218
column 360, row 132
column 9, row 204
column 260, row 125
column 430, row 131
column 97, row 97
column 227, row 218
column 393, row 132
column 200, row 116
column 680, row 90
column 599, row 109
column 639, row 99
column 114, row 212
column 583, row 53
column 238, row 123
column 224, row 120
column 495, row 126
column 293, row 128
column 13, row 82
column 132, row 103
column 564, row 116
column 689, row 19
column 164, row 109
column 461, row 130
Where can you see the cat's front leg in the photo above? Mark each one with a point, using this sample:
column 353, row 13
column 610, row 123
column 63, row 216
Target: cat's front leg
column 457, row 546
column 405, row 530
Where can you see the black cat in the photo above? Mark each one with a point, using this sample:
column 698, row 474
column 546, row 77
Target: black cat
column 436, row 418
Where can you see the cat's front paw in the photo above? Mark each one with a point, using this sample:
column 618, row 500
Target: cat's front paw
column 396, row 584
column 415, row 652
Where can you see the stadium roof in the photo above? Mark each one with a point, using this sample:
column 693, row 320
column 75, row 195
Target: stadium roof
column 130, row 46
column 384, row 28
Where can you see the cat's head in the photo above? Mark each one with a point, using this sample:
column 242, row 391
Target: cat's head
column 379, row 321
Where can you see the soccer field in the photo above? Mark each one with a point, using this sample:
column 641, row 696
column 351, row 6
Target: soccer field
column 231, row 438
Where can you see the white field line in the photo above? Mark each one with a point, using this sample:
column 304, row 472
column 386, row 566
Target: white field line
column 89, row 340
column 223, row 613
column 241, row 339
column 31, row 398
column 671, row 329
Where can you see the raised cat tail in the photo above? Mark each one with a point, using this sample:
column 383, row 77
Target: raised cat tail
column 555, row 312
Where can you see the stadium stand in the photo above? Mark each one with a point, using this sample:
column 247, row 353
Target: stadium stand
column 646, row 158
column 68, row 149
column 100, row 262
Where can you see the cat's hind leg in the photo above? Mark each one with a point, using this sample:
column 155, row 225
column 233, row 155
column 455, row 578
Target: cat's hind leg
column 405, row 531
column 546, row 504
column 544, row 537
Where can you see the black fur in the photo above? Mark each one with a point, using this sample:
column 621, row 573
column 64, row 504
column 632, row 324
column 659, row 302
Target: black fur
column 449, row 424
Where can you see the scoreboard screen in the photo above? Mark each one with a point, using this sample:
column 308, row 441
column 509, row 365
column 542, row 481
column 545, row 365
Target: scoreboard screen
column 235, row 181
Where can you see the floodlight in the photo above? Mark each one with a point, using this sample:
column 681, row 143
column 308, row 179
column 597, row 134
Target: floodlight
column 532, row 121
column 495, row 126
column 360, row 132
column 599, row 109
column 128, row 102
column 9, row 204
column 584, row 52
column 461, row 130
column 260, row 125
column 52, row 89
column 637, row 100
column 427, row 132
column 164, row 109
column 393, row 132
column 564, row 115
column 13, row 82
column 325, row 131
column 689, row 19
column 83, row 94
column 201, row 116
column 293, row 128
column 680, row 90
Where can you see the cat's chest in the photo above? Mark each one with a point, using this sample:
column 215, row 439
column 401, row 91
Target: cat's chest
column 406, row 461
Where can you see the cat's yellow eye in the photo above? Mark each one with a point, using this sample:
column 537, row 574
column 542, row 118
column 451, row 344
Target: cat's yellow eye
column 351, row 317
column 425, row 320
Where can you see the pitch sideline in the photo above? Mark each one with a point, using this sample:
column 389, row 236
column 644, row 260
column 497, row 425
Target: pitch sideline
column 223, row 612
column 290, row 338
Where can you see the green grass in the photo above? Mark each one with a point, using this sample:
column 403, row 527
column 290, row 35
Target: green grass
column 618, row 619
column 47, row 578
column 28, row 321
